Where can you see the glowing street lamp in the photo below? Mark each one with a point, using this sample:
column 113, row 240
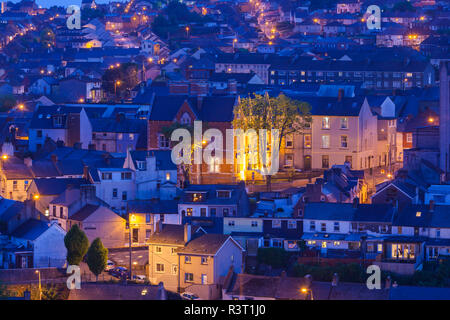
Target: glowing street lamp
column 36, row 197
column 40, row 289
column 116, row 83
column 5, row 157
column 306, row 290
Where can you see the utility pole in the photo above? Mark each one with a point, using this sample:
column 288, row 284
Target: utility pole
column 129, row 240
column 40, row 288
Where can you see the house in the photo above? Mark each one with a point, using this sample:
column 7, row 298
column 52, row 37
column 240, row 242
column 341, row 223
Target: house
column 163, row 244
column 144, row 216
column 117, row 135
column 43, row 86
column 156, row 174
column 15, row 178
column 398, row 192
column 98, row 221
column 244, row 63
column 215, row 200
column 248, row 231
column 70, row 125
column 38, row 244
column 205, row 260
column 334, row 228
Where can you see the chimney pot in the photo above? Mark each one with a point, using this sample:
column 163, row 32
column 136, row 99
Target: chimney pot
column 187, row 233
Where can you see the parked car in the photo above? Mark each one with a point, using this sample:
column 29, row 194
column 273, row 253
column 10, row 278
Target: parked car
column 119, row 272
column 109, row 265
column 139, row 278
column 189, row 296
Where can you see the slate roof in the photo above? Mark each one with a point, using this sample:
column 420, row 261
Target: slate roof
column 163, row 158
column 43, row 116
column 330, row 106
column 84, row 212
column 171, row 234
column 438, row 218
column 211, row 194
column 56, row 186
column 206, row 244
column 347, row 212
column 31, row 229
column 213, row 108
column 155, row 206
column 122, row 126
column 9, row 209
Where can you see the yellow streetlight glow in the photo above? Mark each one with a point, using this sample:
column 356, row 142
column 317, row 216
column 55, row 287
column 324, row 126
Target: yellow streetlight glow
column 304, row 290
column 21, row 106
column 430, row 120
column 5, row 157
column 36, row 197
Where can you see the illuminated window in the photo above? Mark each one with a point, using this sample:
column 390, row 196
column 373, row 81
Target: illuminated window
column 344, row 142
column 344, row 123
column 189, row 212
column 307, row 141
column 325, row 141
column 158, row 250
column 325, row 123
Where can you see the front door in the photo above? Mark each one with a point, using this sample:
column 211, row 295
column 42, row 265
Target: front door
column 307, row 163
column 135, row 234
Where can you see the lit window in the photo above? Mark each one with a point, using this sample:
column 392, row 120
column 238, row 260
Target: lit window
column 325, row 141
column 344, row 123
column 325, row 123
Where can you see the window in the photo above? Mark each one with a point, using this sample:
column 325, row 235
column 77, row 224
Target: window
column 158, row 250
column 124, row 195
column 106, row 176
column 204, row 260
column 188, row 277
column 307, row 141
column 344, row 141
column 325, row 161
column 212, row 212
column 336, row 227
column 120, row 136
column 39, row 133
column 289, row 141
column 254, row 223
column 54, row 211
column 409, row 137
column 61, row 212
column 323, row 227
column 225, row 212
column 25, row 186
column 174, row 269
column 231, row 223
column 224, row 194
column 292, row 224
column 187, row 259
column 131, row 136
column 325, row 141
column 147, row 218
column 114, row 193
column 161, row 217
column 348, row 159
column 163, row 142
column 277, row 243
column 148, row 232
column 125, row 176
column 344, row 123
column 276, row 223
column 325, row 123
column 15, row 185
column 403, row 251
column 160, row 267
column 189, row 212
column 312, row 226
column 438, row 233
column 203, row 212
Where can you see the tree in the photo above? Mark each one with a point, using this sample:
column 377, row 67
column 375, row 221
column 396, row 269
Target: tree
column 120, row 78
column 280, row 113
column 97, row 257
column 77, row 245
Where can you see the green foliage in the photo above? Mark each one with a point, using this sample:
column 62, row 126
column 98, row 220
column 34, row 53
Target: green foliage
column 77, row 245
column 172, row 16
column 126, row 73
column 50, row 292
column 275, row 257
column 7, row 101
column 97, row 257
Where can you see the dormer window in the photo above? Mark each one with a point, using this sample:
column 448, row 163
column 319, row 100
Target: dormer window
column 418, row 214
column 224, row 194
column 141, row 165
column 197, row 197
column 58, row 121
column 185, row 119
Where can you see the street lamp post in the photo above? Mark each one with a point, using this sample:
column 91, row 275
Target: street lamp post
column 116, row 83
column 306, row 290
column 40, row 290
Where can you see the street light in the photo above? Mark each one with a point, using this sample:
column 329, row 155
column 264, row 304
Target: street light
column 116, row 83
column 306, row 290
column 40, row 291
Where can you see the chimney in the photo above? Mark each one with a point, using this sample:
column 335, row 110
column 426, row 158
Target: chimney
column 355, row 202
column 187, row 233
column 340, row 94
column 86, row 172
column 431, row 206
column 335, row 280
column 159, row 227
